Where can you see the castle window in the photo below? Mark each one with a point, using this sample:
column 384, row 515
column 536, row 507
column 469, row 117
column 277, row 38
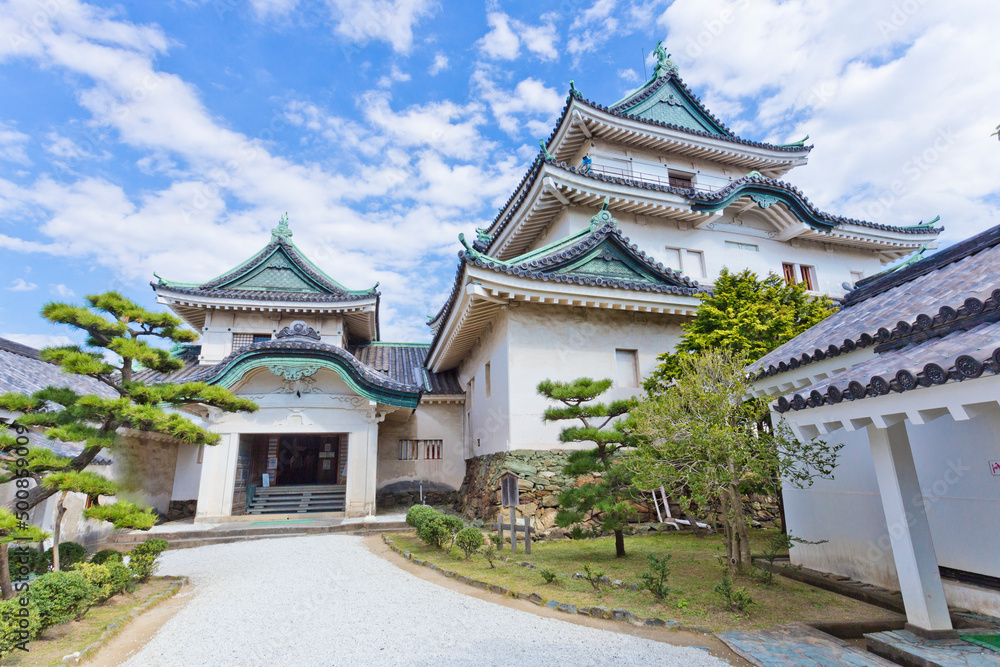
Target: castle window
column 488, row 380
column 807, row 277
column 789, row 271
column 243, row 339
column 626, row 368
column 432, row 449
column 408, row 450
column 679, row 179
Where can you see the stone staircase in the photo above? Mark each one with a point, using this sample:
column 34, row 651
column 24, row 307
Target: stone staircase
column 298, row 499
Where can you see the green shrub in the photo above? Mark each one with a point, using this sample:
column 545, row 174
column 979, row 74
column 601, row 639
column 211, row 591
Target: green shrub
column 142, row 559
column 61, row 596
column 105, row 555
column 735, row 599
column 593, row 575
column 121, row 576
column 489, row 550
column 99, row 577
column 655, row 580
column 434, row 531
column 70, row 553
column 548, row 575
column 417, row 514
column 469, row 540
column 22, row 561
column 19, row 623
column 152, row 546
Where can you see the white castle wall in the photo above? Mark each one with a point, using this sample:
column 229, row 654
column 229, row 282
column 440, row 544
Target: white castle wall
column 430, row 421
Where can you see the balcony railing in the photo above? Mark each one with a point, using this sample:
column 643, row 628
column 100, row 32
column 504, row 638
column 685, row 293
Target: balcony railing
column 655, row 179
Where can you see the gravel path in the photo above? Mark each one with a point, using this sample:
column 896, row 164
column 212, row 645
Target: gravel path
column 326, row 600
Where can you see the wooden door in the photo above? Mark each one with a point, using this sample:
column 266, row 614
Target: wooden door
column 329, row 459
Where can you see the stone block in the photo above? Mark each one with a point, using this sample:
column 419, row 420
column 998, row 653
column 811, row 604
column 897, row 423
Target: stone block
column 600, row 612
column 482, row 585
column 536, row 598
column 552, row 604
column 621, row 615
column 567, row 607
column 617, row 583
column 655, row 622
column 419, row 561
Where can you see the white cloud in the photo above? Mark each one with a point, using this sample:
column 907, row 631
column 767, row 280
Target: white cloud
column 21, row 285
column 62, row 290
column 530, row 104
column 897, row 98
column 506, row 35
column 395, row 75
column 390, row 21
column 439, row 65
column 500, row 43
column 38, row 341
column 265, row 9
column 12, row 145
column 420, row 173
column 628, row 75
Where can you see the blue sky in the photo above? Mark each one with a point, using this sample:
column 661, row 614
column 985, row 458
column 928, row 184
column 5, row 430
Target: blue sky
column 170, row 136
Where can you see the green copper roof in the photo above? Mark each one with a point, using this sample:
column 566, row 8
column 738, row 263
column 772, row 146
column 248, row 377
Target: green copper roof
column 664, row 98
column 279, row 267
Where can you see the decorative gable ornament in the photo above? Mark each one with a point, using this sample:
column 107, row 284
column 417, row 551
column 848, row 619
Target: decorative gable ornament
column 298, row 329
column 282, row 232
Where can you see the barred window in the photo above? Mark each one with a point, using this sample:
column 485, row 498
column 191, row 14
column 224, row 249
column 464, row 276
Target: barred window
column 409, row 450
column 433, row 449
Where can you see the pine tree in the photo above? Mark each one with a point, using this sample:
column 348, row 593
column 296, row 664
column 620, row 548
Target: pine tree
column 609, row 498
column 744, row 315
column 119, row 330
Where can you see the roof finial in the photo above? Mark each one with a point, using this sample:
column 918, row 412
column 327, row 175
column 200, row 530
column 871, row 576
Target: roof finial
column 603, row 217
column 281, row 233
column 545, row 150
column 664, row 65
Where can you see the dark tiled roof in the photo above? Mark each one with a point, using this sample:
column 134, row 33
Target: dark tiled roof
column 933, row 322
column 67, row 449
column 259, row 295
column 23, row 372
column 926, row 293
column 961, row 355
column 404, row 362
column 185, row 374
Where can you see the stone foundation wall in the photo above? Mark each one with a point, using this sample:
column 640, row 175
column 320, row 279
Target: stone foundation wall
column 541, row 481
column 181, row 509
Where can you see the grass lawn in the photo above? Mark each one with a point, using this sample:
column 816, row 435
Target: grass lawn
column 695, row 570
column 61, row 640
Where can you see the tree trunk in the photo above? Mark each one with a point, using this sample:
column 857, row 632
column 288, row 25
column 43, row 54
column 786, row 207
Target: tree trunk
column 5, row 585
column 620, row 544
column 727, row 527
column 781, row 509
column 42, row 493
column 740, row 524
column 56, row 525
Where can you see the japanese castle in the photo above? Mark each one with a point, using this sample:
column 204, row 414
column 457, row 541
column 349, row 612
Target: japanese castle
column 627, row 214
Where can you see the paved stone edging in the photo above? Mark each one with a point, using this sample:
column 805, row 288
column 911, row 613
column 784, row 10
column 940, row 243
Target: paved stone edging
column 620, row 615
column 114, row 627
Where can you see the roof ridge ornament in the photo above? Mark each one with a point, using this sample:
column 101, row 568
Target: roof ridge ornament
column 281, row 233
column 545, row 150
column 664, row 65
column 603, row 217
column 298, row 329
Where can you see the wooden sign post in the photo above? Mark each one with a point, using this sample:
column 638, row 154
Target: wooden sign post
column 509, row 497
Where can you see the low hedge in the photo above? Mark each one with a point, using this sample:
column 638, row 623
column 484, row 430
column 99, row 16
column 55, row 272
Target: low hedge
column 417, row 514
column 70, row 553
column 108, row 579
column 20, row 622
column 438, row 529
column 105, row 555
column 61, row 596
column 142, row 559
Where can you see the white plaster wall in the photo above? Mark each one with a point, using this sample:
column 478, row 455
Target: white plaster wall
column 187, row 473
column 220, row 325
column 962, row 499
column 430, row 421
column 488, row 423
column 561, row 343
column 833, row 264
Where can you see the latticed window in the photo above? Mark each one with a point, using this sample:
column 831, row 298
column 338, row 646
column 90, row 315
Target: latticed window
column 244, row 339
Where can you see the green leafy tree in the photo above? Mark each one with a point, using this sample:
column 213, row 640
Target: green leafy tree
column 118, row 334
column 610, row 497
column 13, row 531
column 707, row 445
column 744, row 315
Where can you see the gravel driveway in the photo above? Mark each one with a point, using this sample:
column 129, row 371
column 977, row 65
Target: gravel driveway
column 326, row 600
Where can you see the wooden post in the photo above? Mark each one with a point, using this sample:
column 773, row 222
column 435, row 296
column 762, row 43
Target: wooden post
column 656, row 504
column 513, row 532
column 527, row 536
column 500, row 528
